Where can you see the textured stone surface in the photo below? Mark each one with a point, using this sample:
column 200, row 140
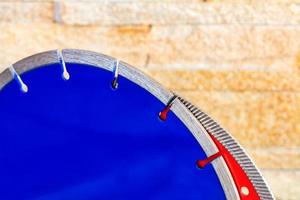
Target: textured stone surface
column 25, row 12
column 180, row 12
column 164, row 47
column 276, row 157
column 250, row 48
column 234, row 80
column 284, row 183
column 263, row 119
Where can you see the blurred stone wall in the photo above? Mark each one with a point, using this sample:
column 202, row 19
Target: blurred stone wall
column 239, row 60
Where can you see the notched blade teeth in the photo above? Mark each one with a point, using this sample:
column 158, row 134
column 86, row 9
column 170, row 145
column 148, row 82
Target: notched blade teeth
column 233, row 147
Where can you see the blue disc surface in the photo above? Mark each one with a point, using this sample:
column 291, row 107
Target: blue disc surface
column 80, row 139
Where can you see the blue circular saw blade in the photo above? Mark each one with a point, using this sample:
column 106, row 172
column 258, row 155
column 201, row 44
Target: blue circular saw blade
column 80, row 139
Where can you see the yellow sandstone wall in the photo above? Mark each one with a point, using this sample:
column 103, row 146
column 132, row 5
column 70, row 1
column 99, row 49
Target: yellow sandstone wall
column 239, row 60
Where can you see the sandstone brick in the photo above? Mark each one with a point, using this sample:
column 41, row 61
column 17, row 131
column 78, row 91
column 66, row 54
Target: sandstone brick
column 263, row 119
column 24, row 12
column 224, row 47
column 164, row 47
column 233, row 80
column 179, row 12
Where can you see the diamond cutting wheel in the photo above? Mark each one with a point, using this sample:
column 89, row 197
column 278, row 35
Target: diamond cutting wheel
column 78, row 125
